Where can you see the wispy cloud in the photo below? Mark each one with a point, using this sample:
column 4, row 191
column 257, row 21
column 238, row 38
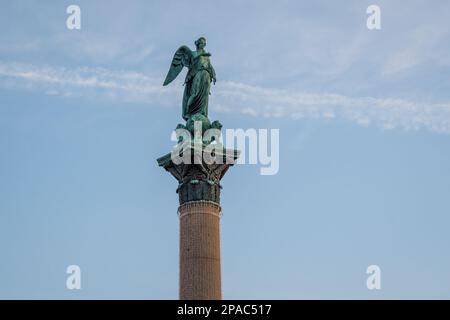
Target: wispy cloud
column 83, row 81
column 14, row 47
column 132, row 87
column 422, row 46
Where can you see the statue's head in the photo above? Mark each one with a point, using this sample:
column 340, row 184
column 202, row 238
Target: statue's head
column 200, row 43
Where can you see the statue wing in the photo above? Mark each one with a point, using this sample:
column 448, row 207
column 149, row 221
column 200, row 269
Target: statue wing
column 182, row 58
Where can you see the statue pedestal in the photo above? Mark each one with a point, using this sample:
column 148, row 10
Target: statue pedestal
column 199, row 211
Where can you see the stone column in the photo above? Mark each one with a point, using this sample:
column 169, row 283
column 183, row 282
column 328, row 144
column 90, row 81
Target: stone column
column 200, row 251
column 199, row 212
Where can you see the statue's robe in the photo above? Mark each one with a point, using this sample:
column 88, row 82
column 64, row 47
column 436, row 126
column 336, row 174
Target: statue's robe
column 197, row 86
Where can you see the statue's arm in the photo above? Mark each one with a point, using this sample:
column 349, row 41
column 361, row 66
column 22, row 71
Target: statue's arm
column 213, row 73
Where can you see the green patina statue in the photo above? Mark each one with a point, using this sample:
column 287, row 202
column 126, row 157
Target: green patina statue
column 197, row 83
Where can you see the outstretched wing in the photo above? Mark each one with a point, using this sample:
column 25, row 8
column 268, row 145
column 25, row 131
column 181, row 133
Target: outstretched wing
column 182, row 58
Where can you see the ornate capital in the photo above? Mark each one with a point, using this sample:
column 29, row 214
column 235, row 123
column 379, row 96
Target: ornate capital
column 199, row 180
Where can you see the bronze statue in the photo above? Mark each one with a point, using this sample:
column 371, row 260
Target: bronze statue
column 198, row 79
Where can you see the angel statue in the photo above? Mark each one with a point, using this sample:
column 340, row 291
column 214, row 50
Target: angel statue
column 198, row 80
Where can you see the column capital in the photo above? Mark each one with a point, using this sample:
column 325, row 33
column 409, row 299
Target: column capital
column 199, row 180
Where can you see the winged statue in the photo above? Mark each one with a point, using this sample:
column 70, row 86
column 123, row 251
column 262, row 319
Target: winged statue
column 198, row 78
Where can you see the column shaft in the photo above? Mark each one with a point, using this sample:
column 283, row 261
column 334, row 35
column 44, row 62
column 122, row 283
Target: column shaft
column 200, row 274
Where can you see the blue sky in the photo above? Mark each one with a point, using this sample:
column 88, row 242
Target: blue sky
column 364, row 120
